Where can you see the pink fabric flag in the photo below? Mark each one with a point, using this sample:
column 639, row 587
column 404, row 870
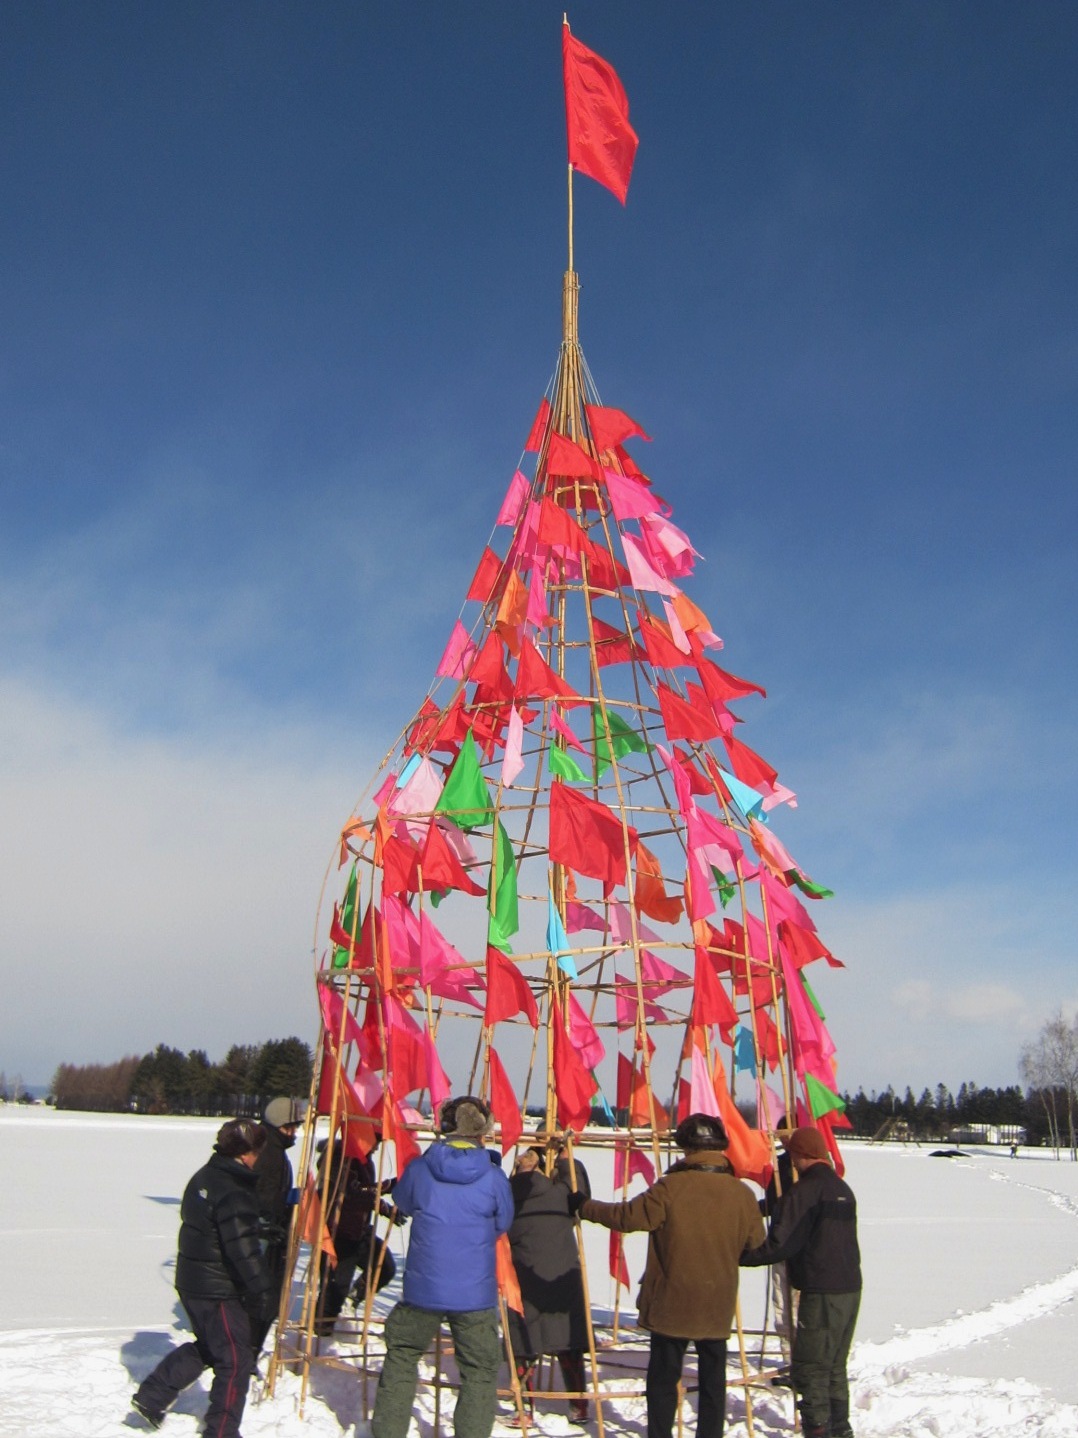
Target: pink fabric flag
column 677, row 631
column 516, row 496
column 660, row 976
column 442, row 968
column 702, row 1086
column 625, row 1003
column 668, row 547
column 538, row 613
column 621, row 927
column 642, row 573
column 458, row 654
column 630, row 498
column 420, row 794
column 584, row 1036
column 783, row 903
column 513, row 759
column 813, row 1049
column 681, row 782
column 774, row 1106
column 559, row 726
column 698, row 887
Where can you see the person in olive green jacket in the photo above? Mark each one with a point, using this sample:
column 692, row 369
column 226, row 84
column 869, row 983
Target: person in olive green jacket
column 700, row 1218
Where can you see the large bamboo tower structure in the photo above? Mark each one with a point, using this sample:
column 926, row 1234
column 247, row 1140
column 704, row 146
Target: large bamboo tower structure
column 562, row 889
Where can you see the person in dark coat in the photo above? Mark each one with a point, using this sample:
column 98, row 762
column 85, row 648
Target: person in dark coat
column 459, row 1203
column 547, row 1262
column 223, row 1283
column 276, row 1193
column 700, row 1219
column 814, row 1231
column 354, row 1197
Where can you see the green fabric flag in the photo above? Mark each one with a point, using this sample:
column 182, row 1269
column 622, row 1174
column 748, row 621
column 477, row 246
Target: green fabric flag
column 814, row 891
column 349, row 923
column 822, row 1099
column 562, row 763
column 725, row 886
column 812, row 997
column 465, row 800
column 623, row 739
column 502, row 892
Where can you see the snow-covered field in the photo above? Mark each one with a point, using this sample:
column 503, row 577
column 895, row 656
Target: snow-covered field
column 969, row 1326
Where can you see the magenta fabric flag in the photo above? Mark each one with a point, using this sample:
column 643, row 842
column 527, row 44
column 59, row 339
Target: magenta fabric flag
column 538, row 613
column 332, row 1006
column 783, row 903
column 712, row 842
column 439, row 1083
column 681, row 782
column 629, row 497
column 698, row 887
column 559, row 726
column 625, row 997
column 668, row 547
column 642, row 573
column 384, row 790
column 402, row 932
column 516, row 497
column 513, row 759
column 458, row 654
column 813, row 1049
column 702, row 1097
column 584, row 1036
column 578, row 916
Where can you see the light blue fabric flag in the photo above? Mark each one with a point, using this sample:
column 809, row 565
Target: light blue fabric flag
column 608, row 1112
column 744, row 1050
column 557, row 940
column 408, row 770
column 747, row 800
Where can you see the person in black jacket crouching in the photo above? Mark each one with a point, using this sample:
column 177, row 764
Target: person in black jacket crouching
column 224, row 1285
column 814, row 1229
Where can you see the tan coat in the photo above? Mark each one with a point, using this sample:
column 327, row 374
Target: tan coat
column 700, row 1222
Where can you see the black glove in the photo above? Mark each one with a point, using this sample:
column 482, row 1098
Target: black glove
column 261, row 1309
column 387, row 1185
column 576, row 1202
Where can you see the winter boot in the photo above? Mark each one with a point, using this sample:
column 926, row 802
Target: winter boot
column 575, row 1380
column 146, row 1413
column 840, row 1420
column 526, row 1377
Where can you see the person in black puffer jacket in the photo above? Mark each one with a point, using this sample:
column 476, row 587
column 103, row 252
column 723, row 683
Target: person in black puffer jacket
column 223, row 1282
column 814, row 1230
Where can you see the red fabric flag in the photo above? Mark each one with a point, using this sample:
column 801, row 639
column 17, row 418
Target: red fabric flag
column 803, row 947
column 406, row 1071
column 619, row 1269
column 602, row 143
column 710, row 1002
column 612, row 645
column 569, row 460
column 400, row 867
column 604, row 572
column 574, row 1087
column 556, row 526
column 536, row 679
column 717, row 682
column 587, row 836
column 486, row 577
column 683, row 720
column 539, row 427
column 661, row 650
column 503, row 1104
column 507, row 991
column 633, row 1095
column 489, row 674
column 441, row 867
column 748, row 766
column 609, row 427
column 395, row 1130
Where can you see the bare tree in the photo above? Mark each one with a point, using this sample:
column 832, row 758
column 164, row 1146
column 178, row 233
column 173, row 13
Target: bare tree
column 1049, row 1067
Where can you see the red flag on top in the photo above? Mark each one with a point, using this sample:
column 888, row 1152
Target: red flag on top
column 602, row 143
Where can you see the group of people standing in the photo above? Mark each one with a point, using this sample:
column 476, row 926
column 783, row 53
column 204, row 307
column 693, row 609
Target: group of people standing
column 703, row 1224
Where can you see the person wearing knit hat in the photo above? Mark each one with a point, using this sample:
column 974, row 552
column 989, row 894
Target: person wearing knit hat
column 276, row 1193
column 459, row 1203
column 814, row 1230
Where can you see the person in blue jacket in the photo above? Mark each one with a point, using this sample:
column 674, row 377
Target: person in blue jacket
column 459, row 1202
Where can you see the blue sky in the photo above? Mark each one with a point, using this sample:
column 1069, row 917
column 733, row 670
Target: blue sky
column 281, row 293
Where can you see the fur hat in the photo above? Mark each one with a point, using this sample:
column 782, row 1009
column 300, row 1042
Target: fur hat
column 280, row 1112
column 466, row 1117
column 805, row 1143
column 239, row 1136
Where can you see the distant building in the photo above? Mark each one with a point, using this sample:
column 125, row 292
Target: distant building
column 997, row 1133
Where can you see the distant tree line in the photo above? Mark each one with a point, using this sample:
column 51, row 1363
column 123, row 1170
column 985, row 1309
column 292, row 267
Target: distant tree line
column 170, row 1081
column 937, row 1112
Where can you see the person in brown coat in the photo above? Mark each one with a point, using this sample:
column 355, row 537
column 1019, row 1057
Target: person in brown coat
column 700, row 1219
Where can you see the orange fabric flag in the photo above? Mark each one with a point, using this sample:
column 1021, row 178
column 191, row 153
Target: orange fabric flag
column 649, row 892
column 312, row 1226
column 506, row 1274
column 750, row 1150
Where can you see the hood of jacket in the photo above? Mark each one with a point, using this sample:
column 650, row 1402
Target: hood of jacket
column 458, row 1162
